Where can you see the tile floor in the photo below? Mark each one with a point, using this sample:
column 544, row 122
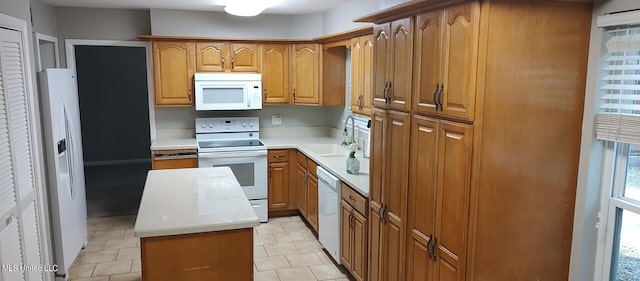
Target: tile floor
column 284, row 250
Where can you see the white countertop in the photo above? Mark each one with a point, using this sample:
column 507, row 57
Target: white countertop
column 335, row 165
column 183, row 201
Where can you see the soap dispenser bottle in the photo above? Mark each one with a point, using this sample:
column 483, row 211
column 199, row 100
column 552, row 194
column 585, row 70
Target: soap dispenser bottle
column 353, row 164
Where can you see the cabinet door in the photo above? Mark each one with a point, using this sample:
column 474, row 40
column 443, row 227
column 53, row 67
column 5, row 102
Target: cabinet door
column 244, row 57
column 361, row 74
column 356, row 75
column 301, row 189
column 422, row 198
column 346, row 253
column 173, row 69
column 452, row 200
column 427, row 62
column 305, row 70
column 359, row 247
column 275, row 73
column 381, row 48
column 376, row 195
column 312, row 195
column 278, row 186
column 212, row 56
column 367, row 73
column 395, row 189
column 401, row 64
column 460, row 60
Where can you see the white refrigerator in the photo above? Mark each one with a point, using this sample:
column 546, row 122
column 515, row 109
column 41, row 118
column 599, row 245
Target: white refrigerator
column 65, row 168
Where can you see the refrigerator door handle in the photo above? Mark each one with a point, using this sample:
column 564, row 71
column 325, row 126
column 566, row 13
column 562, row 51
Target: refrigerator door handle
column 68, row 126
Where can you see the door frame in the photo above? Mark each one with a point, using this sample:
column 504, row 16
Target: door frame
column 33, row 115
column 70, row 46
column 37, row 37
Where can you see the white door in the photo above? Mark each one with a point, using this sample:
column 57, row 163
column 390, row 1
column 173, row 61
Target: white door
column 19, row 233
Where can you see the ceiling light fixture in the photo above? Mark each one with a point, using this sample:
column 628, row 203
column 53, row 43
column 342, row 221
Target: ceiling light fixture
column 245, row 8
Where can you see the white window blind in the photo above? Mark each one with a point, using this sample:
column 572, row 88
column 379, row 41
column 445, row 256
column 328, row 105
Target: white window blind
column 619, row 116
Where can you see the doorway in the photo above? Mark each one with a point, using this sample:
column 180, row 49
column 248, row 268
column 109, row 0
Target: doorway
column 113, row 95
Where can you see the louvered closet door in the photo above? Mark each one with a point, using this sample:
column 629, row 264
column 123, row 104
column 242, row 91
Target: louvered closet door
column 19, row 233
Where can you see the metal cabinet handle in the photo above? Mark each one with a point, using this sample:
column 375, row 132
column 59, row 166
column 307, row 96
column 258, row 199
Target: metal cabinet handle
column 270, row 168
column 360, row 102
column 440, row 94
column 434, row 249
column 353, row 199
column 278, row 156
column 429, row 246
column 222, row 62
column 294, row 93
column 190, row 98
column 232, row 64
column 387, row 94
column 265, row 93
column 382, row 213
column 435, row 95
column 351, row 223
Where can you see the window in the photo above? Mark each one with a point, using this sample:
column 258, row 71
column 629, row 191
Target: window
column 621, row 258
column 618, row 124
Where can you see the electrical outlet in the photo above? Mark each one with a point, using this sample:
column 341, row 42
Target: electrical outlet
column 276, row 119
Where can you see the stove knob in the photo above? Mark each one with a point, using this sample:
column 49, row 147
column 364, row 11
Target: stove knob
column 203, row 124
column 210, row 124
column 251, row 124
column 244, row 124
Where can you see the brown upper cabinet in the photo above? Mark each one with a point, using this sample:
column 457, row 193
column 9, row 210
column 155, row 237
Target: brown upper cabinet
column 446, row 61
column 361, row 74
column 275, row 73
column 392, row 63
column 305, row 73
column 173, row 69
column 227, row 57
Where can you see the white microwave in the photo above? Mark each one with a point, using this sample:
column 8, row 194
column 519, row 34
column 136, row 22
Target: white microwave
column 228, row 91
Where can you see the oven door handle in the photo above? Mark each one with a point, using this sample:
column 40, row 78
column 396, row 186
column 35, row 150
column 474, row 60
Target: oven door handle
column 232, row 154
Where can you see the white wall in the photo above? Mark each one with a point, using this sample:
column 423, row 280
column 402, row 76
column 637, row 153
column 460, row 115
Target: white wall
column 99, row 24
column 44, row 18
column 218, row 24
column 341, row 18
column 305, row 26
column 591, row 153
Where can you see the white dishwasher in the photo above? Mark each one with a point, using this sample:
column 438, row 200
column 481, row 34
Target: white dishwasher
column 329, row 212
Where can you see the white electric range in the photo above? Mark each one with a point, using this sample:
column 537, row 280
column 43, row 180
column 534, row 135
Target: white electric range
column 235, row 142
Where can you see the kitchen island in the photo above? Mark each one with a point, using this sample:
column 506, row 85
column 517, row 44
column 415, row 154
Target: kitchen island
column 195, row 224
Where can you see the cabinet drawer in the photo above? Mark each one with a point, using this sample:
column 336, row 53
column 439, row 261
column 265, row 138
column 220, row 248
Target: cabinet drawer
column 312, row 168
column 354, row 199
column 280, row 155
column 302, row 160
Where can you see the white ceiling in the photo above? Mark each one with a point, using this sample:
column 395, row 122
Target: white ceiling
column 278, row 6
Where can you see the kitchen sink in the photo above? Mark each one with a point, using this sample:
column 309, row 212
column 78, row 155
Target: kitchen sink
column 328, row 150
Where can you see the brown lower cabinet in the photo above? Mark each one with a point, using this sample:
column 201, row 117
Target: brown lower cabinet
column 279, row 181
column 354, row 233
column 174, row 159
column 307, row 189
column 214, row 256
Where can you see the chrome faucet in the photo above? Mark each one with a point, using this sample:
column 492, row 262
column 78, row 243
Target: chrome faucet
column 353, row 130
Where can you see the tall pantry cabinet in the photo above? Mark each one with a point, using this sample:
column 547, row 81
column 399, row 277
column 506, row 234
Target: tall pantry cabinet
column 475, row 152
column 392, row 54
